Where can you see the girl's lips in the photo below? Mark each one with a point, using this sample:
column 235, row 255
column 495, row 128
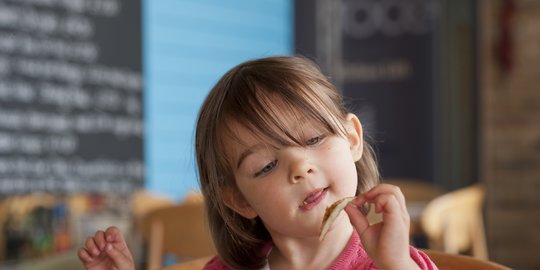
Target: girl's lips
column 312, row 199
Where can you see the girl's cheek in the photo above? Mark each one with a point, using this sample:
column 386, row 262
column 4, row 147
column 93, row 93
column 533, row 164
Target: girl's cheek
column 327, row 149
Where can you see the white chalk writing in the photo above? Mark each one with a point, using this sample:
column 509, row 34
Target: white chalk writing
column 69, row 119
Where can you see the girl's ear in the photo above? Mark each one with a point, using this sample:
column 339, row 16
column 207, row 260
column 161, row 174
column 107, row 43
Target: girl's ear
column 236, row 201
column 355, row 136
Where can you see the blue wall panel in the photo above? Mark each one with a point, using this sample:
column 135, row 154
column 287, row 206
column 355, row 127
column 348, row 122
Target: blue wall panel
column 188, row 45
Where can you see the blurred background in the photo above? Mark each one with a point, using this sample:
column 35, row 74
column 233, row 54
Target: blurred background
column 98, row 102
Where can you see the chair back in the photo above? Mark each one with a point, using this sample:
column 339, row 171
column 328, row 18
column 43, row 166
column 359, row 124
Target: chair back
column 416, row 190
column 453, row 222
column 446, row 261
column 180, row 230
column 143, row 202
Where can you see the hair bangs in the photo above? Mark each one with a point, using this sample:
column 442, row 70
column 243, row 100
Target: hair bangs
column 278, row 114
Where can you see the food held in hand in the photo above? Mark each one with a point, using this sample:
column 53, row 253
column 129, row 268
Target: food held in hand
column 331, row 214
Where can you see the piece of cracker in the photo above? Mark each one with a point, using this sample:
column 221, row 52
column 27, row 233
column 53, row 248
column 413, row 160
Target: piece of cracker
column 331, row 213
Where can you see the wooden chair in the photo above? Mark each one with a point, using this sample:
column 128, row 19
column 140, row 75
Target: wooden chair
column 180, row 230
column 446, row 261
column 453, row 222
column 416, row 190
column 143, row 202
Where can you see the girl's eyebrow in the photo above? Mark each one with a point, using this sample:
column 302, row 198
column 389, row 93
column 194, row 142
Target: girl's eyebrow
column 250, row 150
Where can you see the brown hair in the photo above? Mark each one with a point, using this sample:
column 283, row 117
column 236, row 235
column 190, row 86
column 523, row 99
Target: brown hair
column 258, row 94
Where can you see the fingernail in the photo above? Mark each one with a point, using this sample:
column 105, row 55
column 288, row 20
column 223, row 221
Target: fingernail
column 109, row 247
column 95, row 251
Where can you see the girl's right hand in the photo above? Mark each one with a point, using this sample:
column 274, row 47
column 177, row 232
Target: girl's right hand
column 387, row 242
column 106, row 250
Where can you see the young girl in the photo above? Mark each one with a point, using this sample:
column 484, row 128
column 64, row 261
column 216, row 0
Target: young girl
column 275, row 146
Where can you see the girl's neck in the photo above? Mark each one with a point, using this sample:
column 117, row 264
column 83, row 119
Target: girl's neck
column 310, row 253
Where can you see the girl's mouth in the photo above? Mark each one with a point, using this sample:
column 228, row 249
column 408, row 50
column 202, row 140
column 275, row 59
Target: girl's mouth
column 313, row 198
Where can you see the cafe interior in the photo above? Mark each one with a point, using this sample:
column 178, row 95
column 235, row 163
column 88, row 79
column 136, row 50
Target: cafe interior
column 99, row 100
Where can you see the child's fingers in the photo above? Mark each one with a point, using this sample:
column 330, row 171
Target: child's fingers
column 121, row 260
column 113, row 235
column 388, row 189
column 99, row 239
column 357, row 218
column 389, row 206
column 84, row 256
column 361, row 204
column 358, row 201
column 91, row 247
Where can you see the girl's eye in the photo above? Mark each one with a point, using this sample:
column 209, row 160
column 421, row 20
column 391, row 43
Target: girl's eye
column 267, row 168
column 315, row 140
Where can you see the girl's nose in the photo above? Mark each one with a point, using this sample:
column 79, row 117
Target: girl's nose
column 301, row 167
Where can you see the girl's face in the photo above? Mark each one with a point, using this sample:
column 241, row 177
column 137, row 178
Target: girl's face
column 289, row 187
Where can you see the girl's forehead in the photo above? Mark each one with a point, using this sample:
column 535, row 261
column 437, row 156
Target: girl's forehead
column 237, row 139
column 240, row 136
column 246, row 134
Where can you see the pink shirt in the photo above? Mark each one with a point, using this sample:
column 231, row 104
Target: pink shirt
column 353, row 257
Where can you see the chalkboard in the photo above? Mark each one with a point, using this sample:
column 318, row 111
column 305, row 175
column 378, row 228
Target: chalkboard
column 388, row 71
column 71, row 114
column 380, row 54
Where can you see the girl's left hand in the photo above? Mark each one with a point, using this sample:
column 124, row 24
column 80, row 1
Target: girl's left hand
column 106, row 250
column 387, row 242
